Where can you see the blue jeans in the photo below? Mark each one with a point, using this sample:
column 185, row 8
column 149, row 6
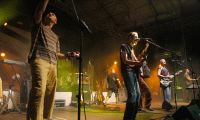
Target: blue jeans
column 167, row 98
column 167, row 94
column 133, row 92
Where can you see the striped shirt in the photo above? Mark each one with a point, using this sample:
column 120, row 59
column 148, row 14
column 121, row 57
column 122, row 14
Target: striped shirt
column 47, row 44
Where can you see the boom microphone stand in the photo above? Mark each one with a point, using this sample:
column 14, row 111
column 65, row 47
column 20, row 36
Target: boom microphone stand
column 82, row 26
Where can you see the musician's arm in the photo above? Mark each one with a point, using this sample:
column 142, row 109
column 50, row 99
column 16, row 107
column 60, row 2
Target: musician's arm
column 60, row 55
column 40, row 10
column 129, row 62
column 188, row 77
column 68, row 55
column 144, row 51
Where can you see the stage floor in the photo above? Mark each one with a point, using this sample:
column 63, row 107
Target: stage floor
column 97, row 112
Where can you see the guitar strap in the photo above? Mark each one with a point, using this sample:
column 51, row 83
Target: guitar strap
column 34, row 43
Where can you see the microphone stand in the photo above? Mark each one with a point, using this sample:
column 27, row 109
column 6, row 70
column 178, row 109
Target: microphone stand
column 82, row 26
column 151, row 42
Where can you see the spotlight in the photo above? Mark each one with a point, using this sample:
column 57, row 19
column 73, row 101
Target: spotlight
column 3, row 54
column 5, row 24
column 115, row 62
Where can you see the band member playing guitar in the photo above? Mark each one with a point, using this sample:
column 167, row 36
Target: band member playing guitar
column 165, row 84
column 130, row 67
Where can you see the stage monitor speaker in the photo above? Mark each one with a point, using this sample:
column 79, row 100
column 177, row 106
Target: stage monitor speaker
column 191, row 112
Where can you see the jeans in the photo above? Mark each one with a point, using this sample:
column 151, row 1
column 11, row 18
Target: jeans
column 41, row 99
column 133, row 92
column 167, row 94
column 167, row 98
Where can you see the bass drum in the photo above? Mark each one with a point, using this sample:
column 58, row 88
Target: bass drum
column 122, row 94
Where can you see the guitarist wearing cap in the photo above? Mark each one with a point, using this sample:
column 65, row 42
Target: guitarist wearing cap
column 165, row 84
column 130, row 69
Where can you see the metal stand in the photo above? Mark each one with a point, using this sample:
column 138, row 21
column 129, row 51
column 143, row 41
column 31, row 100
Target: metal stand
column 175, row 95
column 83, row 27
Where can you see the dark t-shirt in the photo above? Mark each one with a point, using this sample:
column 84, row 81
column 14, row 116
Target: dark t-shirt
column 126, row 49
column 112, row 81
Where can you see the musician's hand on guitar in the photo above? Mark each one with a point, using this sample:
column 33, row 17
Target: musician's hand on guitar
column 142, row 56
column 76, row 54
column 193, row 79
column 72, row 54
column 139, row 63
column 169, row 76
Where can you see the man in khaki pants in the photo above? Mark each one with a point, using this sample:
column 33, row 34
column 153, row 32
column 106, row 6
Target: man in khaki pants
column 44, row 52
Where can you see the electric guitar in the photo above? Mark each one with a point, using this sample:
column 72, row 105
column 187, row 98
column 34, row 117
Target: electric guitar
column 165, row 82
column 142, row 55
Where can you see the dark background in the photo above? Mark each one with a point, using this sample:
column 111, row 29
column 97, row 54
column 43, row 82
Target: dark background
column 172, row 24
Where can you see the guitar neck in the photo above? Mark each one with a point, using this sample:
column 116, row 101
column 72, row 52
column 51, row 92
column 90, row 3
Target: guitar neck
column 142, row 54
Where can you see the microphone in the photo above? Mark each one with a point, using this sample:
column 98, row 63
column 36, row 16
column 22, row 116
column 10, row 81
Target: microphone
column 145, row 39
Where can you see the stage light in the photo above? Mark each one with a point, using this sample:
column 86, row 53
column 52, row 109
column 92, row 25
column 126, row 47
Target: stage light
column 3, row 54
column 115, row 62
column 5, row 24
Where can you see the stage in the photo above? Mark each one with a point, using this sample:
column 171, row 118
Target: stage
column 111, row 111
